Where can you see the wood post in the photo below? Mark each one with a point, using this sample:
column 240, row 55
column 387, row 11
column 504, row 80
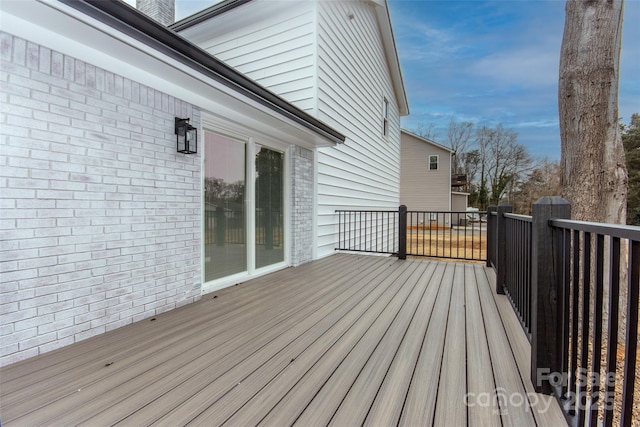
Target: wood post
column 402, row 232
column 546, row 293
column 501, row 247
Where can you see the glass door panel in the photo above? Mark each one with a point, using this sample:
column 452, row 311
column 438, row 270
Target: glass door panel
column 269, row 212
column 225, row 236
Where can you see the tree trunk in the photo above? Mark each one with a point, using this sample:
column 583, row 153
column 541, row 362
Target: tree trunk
column 594, row 174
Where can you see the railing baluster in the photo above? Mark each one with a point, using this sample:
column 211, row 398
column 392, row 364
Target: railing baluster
column 597, row 327
column 631, row 341
column 612, row 329
column 575, row 302
column 564, row 333
column 584, row 348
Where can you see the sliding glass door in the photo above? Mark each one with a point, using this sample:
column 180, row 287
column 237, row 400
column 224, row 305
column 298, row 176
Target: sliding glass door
column 244, row 227
column 269, row 202
column 225, row 230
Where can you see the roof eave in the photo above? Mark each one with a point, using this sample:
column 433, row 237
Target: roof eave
column 384, row 20
column 129, row 21
column 428, row 141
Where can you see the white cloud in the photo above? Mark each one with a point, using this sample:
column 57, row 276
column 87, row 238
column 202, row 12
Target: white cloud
column 524, row 66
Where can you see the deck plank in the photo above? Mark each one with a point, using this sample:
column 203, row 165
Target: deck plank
column 346, row 340
column 225, row 361
column 420, row 401
column 357, row 380
column 285, row 397
column 59, row 362
column 545, row 408
column 164, row 356
column 450, row 405
column 483, row 408
column 510, row 392
column 389, row 400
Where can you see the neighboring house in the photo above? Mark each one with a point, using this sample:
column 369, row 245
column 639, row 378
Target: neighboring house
column 459, row 201
column 337, row 61
column 105, row 223
column 425, row 174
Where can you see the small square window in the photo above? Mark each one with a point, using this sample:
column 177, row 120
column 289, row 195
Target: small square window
column 385, row 117
column 433, row 163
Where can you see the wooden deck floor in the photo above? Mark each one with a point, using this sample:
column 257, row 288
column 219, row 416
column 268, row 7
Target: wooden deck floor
column 347, row 340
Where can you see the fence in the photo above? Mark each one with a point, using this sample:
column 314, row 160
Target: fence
column 441, row 234
column 567, row 281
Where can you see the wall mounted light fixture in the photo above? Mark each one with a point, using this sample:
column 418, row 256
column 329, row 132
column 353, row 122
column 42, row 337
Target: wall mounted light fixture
column 186, row 136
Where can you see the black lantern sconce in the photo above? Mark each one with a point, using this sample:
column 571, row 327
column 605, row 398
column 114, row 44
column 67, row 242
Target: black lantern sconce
column 186, row 137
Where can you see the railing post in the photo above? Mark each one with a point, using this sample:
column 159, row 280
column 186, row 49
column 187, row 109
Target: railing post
column 501, row 247
column 402, row 232
column 491, row 236
column 545, row 293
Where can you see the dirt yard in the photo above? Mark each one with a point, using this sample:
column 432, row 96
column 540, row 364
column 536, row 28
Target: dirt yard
column 461, row 243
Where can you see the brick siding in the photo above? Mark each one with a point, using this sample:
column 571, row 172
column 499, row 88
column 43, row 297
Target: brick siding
column 302, row 209
column 100, row 216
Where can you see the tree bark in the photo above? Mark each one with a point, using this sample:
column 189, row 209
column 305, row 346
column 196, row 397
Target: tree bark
column 594, row 174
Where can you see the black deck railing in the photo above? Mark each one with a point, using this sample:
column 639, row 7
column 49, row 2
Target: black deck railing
column 517, row 285
column 447, row 234
column 440, row 234
column 509, row 253
column 368, row 231
column 575, row 286
column 593, row 259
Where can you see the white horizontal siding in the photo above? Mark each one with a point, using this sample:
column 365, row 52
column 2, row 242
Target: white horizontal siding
column 326, row 57
column 421, row 188
column 274, row 45
column 353, row 79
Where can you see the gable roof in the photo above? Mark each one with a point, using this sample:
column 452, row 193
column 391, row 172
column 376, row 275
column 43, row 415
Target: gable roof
column 384, row 21
column 128, row 20
column 425, row 140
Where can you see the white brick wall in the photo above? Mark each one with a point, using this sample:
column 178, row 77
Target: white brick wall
column 302, row 209
column 100, row 217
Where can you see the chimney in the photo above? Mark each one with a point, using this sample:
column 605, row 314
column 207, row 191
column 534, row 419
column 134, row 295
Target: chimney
column 163, row 11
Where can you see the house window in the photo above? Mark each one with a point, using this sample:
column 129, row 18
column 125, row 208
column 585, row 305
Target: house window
column 385, row 117
column 433, row 163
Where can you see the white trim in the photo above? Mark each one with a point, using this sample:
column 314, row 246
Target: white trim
column 250, row 204
column 287, row 199
column 437, row 156
column 423, row 139
column 210, row 124
column 225, row 282
column 314, row 222
column 316, row 55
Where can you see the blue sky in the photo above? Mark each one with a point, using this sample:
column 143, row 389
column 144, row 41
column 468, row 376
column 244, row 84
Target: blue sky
column 490, row 62
column 493, row 62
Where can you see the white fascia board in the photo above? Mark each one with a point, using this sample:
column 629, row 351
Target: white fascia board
column 391, row 54
column 66, row 30
column 428, row 141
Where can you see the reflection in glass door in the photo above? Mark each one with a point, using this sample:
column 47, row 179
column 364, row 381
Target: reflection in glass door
column 269, row 215
column 225, row 237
